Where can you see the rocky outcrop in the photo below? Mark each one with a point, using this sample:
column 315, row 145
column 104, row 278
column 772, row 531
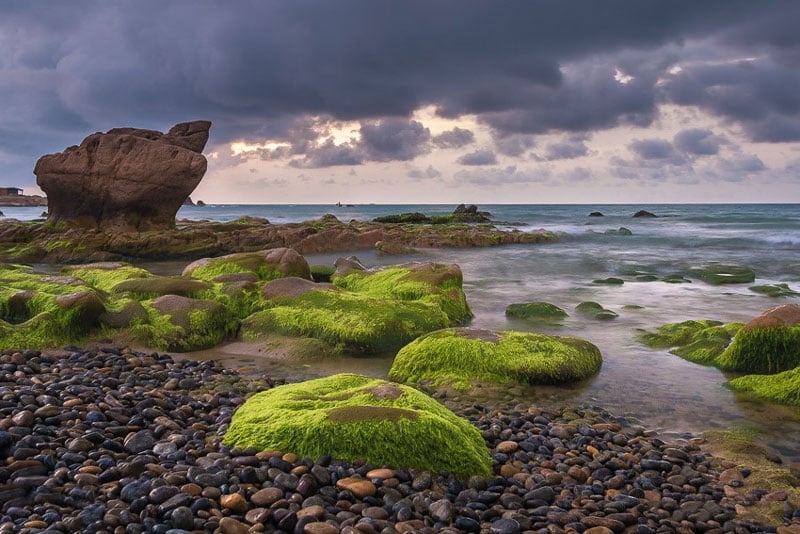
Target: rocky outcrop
column 126, row 178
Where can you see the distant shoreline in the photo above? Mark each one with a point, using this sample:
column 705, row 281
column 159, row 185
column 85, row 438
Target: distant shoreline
column 22, row 201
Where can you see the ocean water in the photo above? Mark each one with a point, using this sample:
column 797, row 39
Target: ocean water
column 661, row 390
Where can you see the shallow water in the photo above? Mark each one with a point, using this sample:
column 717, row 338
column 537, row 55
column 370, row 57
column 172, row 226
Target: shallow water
column 662, row 391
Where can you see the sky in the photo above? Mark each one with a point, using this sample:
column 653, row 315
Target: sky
column 422, row 101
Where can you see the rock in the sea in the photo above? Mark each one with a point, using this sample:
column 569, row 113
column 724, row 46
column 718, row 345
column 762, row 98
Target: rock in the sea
column 535, row 311
column 355, row 417
column 458, row 357
column 595, row 214
column 644, row 213
column 699, row 341
column 768, row 344
column 595, row 310
column 126, row 178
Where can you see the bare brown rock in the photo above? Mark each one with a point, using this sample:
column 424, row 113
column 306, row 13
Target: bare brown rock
column 785, row 315
column 125, row 179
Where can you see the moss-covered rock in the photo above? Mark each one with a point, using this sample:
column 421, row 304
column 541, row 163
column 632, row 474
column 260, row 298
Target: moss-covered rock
column 781, row 388
column 106, row 275
column 40, row 310
column 535, row 311
column 595, row 310
column 699, row 341
column 354, row 417
column 155, row 286
column 462, row 357
column 775, row 290
column 768, row 344
column 717, row 274
column 183, row 324
column 266, row 264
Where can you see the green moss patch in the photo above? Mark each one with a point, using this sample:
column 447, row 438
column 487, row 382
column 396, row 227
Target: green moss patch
column 717, row 274
column 611, row 281
column 535, row 311
column 781, row 388
column 105, row 276
column 182, row 324
column 699, row 341
column 462, row 357
column 775, row 290
column 353, row 322
column 763, row 350
column 342, row 416
column 266, row 265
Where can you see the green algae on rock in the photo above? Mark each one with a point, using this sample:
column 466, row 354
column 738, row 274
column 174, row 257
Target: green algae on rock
column 775, row 290
column 39, row 310
column 535, row 311
column 355, row 417
column 717, row 274
column 768, row 344
column 595, row 310
column 699, row 341
column 365, row 312
column 183, row 324
column 610, row 281
column 104, row 276
column 461, row 357
column 781, row 388
column 265, row 264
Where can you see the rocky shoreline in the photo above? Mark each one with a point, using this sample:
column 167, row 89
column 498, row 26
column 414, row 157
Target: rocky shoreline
column 119, row 441
column 42, row 242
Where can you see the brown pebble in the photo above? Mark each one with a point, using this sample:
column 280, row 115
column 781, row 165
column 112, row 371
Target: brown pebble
column 314, row 510
column 730, row 475
column 229, row 525
column 359, row 487
column 779, row 495
column 289, row 457
column 598, row 530
column 507, row 447
column 266, row 497
column 233, row 501
column 192, row 489
column 320, row 527
column 35, row 524
column 508, row 470
column 381, row 473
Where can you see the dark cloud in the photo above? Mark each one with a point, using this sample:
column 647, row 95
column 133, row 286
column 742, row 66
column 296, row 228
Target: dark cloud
column 329, row 154
column 514, row 144
column 256, row 68
column 479, row 157
column 658, row 149
column 394, row 139
column 570, row 149
column 760, row 94
column 455, row 138
column 698, row 142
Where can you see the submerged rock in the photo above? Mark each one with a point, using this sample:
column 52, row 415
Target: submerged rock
column 717, row 274
column 782, row 388
column 595, row 310
column 355, row 417
column 699, row 341
column 535, row 311
column 460, row 357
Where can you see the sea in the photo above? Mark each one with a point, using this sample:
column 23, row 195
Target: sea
column 659, row 390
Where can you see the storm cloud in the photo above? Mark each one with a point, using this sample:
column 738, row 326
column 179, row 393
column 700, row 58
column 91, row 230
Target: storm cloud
column 262, row 70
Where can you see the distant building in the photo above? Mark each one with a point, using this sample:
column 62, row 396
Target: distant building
column 10, row 191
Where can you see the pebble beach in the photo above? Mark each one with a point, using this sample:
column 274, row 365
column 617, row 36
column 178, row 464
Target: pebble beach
column 118, row 441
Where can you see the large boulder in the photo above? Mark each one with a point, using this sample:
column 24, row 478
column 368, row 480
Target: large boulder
column 126, row 178
column 768, row 344
column 464, row 357
column 353, row 417
column 265, row 264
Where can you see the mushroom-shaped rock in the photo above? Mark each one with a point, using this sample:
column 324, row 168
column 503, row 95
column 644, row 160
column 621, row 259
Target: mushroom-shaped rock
column 265, row 264
column 126, row 178
column 355, row 417
column 459, row 357
column 768, row 344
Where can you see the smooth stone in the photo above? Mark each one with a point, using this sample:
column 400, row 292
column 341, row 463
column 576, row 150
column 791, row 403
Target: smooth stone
column 229, row 525
column 441, row 510
column 266, row 497
column 234, row 501
column 140, row 441
column 359, row 487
